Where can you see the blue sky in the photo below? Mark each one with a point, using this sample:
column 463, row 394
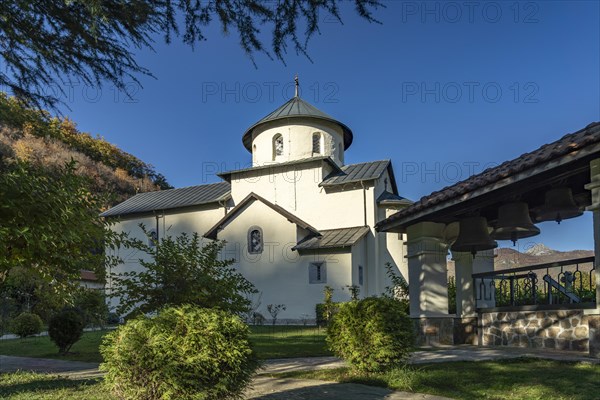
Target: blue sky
column 444, row 89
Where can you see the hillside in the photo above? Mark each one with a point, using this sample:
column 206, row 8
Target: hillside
column 35, row 137
column 507, row 257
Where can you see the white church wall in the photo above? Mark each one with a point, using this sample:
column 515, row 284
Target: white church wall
column 296, row 188
column 282, row 275
column 297, row 141
column 172, row 222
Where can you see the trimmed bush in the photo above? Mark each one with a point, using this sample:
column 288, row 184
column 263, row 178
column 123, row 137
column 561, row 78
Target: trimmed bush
column 66, row 328
column 185, row 352
column 372, row 335
column 26, row 324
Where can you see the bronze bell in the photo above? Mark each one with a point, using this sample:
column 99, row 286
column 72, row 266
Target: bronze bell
column 473, row 236
column 559, row 205
column 514, row 222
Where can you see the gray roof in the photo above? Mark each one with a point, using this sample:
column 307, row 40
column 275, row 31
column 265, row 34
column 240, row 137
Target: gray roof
column 227, row 174
column 356, row 173
column 333, row 238
column 172, row 198
column 391, row 198
column 296, row 107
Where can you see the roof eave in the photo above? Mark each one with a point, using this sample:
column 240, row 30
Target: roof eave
column 392, row 224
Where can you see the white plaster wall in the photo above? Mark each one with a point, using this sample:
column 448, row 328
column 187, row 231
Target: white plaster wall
column 297, row 141
column 173, row 223
column 296, row 188
column 278, row 272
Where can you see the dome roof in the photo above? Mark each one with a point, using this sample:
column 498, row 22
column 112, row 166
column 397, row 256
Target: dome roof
column 296, row 107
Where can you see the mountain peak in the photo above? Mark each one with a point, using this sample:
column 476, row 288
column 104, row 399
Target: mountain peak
column 539, row 250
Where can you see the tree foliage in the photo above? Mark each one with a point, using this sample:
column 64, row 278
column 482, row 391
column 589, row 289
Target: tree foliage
column 29, row 123
column 50, row 223
column 180, row 270
column 46, row 43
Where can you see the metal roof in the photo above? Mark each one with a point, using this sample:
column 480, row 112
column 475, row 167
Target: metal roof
column 333, row 238
column 227, row 174
column 213, row 232
column 357, row 173
column 296, row 107
column 391, row 198
column 172, row 198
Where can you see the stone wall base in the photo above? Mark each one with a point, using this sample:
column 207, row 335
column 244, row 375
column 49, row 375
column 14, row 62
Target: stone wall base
column 557, row 330
column 594, row 328
column 434, row 331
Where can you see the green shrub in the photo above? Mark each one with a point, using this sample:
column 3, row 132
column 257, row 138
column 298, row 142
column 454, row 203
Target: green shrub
column 26, row 324
column 373, row 334
column 184, row 352
column 66, row 328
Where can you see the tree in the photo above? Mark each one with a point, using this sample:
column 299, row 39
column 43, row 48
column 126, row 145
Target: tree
column 50, row 223
column 46, row 43
column 180, row 271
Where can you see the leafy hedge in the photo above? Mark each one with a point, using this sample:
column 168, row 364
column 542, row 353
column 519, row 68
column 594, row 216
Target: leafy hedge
column 183, row 353
column 372, row 335
column 65, row 328
column 26, row 324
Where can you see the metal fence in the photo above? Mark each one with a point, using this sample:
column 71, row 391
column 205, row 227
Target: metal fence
column 561, row 284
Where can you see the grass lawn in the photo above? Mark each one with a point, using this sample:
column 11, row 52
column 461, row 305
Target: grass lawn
column 268, row 341
column 509, row 379
column 86, row 349
column 288, row 341
column 30, row 386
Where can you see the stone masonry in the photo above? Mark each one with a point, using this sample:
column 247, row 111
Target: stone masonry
column 562, row 330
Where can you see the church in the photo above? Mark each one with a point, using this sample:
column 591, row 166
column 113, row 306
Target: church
column 296, row 221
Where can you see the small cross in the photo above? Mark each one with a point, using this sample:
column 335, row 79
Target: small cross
column 297, row 84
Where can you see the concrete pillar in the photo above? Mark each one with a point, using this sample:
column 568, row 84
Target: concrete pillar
column 594, row 320
column 465, row 325
column 428, row 283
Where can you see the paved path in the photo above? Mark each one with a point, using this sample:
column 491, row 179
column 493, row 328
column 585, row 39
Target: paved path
column 268, row 388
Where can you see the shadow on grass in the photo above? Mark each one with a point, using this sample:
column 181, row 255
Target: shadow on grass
column 507, row 379
column 29, row 383
column 326, row 391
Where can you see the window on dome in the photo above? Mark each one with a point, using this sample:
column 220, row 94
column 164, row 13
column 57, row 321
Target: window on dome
column 277, row 146
column 316, row 143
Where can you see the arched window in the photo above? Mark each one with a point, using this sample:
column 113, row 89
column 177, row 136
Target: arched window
column 255, row 240
column 152, row 238
column 277, row 145
column 316, row 143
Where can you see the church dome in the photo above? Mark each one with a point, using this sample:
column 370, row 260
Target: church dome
column 296, row 108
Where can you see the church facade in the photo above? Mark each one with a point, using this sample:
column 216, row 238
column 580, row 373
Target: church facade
column 297, row 220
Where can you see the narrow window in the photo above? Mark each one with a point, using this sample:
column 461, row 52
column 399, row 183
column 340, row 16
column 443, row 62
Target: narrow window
column 316, row 143
column 360, row 275
column 317, row 272
column 255, row 240
column 277, row 146
column 152, row 238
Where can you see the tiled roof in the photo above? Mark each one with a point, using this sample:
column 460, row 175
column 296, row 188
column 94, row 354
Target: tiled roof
column 356, row 173
column 213, row 232
column 226, row 175
column 571, row 143
column 172, row 198
column 296, row 107
column 333, row 238
column 391, row 198
column 86, row 275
